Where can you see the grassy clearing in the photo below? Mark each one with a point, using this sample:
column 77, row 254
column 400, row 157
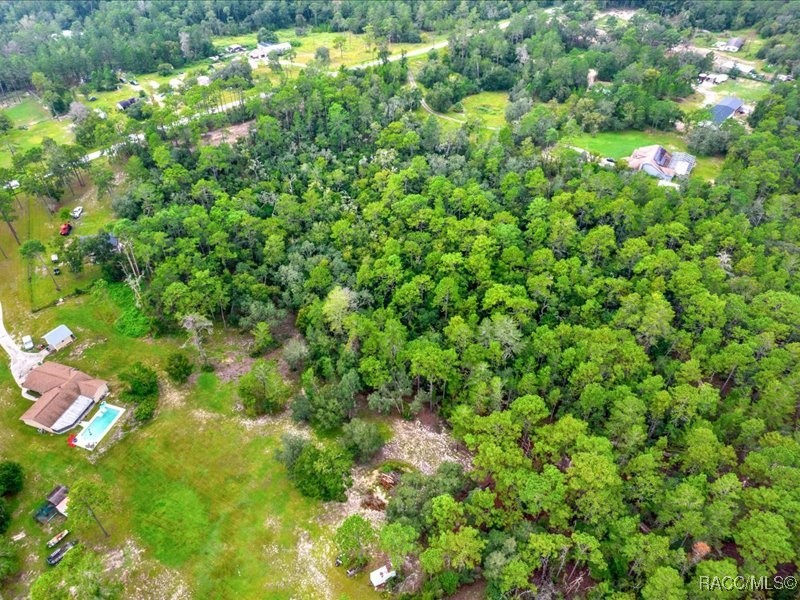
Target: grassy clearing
column 748, row 90
column 354, row 51
column 620, row 144
column 490, row 107
column 38, row 124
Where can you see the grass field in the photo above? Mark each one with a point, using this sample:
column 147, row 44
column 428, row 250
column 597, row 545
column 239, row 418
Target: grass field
column 30, row 113
column 748, row 90
column 620, row 144
column 352, row 53
column 490, row 107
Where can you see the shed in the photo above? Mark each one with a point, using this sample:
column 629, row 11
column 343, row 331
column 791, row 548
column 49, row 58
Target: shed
column 380, row 576
column 54, row 504
column 734, row 44
column 725, row 109
column 126, row 104
column 58, row 338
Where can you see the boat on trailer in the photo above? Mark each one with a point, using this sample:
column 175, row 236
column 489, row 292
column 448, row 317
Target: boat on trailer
column 58, row 538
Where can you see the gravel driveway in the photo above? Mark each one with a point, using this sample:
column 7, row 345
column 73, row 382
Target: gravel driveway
column 21, row 362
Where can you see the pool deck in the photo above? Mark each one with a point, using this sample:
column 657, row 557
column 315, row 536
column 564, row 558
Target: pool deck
column 87, row 445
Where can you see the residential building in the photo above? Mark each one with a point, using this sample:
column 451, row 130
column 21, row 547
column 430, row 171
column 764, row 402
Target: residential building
column 63, row 396
column 657, row 161
column 265, row 49
column 733, row 45
column 725, row 109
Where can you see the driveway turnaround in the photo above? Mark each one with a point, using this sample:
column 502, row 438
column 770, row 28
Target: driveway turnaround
column 21, row 362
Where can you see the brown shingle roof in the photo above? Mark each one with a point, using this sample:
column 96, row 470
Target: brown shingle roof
column 60, row 387
column 47, row 376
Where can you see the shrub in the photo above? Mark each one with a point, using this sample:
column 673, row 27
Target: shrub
column 11, row 478
column 5, row 516
column 295, row 352
column 178, row 367
column 9, row 559
column 165, row 69
column 362, row 439
column 262, row 390
column 321, row 473
column 263, row 339
column 142, row 390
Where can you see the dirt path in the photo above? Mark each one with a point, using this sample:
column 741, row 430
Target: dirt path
column 427, row 108
column 21, row 362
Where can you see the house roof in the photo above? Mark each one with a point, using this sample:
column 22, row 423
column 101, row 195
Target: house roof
column 725, row 108
column 47, row 376
column 736, row 41
column 58, row 494
column 380, row 576
column 58, row 335
column 655, row 160
column 66, row 395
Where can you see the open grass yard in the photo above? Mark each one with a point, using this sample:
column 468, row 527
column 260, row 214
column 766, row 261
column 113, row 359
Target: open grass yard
column 748, row 90
column 353, row 52
column 620, row 144
column 31, row 115
column 490, row 107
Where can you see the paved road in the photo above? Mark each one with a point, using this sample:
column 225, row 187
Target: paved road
column 21, row 362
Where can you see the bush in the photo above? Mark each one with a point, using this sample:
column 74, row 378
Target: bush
column 178, row 367
column 165, row 69
column 142, row 390
column 9, row 559
column 295, row 352
column 263, row 339
column 5, row 516
column 291, row 447
column 321, row 473
column 262, row 390
column 11, row 478
column 362, row 439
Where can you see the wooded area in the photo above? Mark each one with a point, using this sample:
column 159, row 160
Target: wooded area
column 621, row 359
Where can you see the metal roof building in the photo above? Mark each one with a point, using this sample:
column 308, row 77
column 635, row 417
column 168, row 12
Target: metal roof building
column 726, row 108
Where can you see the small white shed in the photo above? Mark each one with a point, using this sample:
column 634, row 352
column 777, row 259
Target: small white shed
column 380, row 576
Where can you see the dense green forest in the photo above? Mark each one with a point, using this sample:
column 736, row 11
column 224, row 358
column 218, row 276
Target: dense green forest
column 621, row 359
column 72, row 42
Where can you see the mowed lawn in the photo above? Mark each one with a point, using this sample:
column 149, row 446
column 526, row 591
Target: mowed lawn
column 35, row 118
column 490, row 107
column 620, row 144
column 748, row 90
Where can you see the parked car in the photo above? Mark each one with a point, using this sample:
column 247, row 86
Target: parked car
column 76, row 212
column 59, row 554
column 65, row 229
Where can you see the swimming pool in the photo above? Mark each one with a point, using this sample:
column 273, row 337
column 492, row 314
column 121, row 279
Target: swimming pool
column 99, row 426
